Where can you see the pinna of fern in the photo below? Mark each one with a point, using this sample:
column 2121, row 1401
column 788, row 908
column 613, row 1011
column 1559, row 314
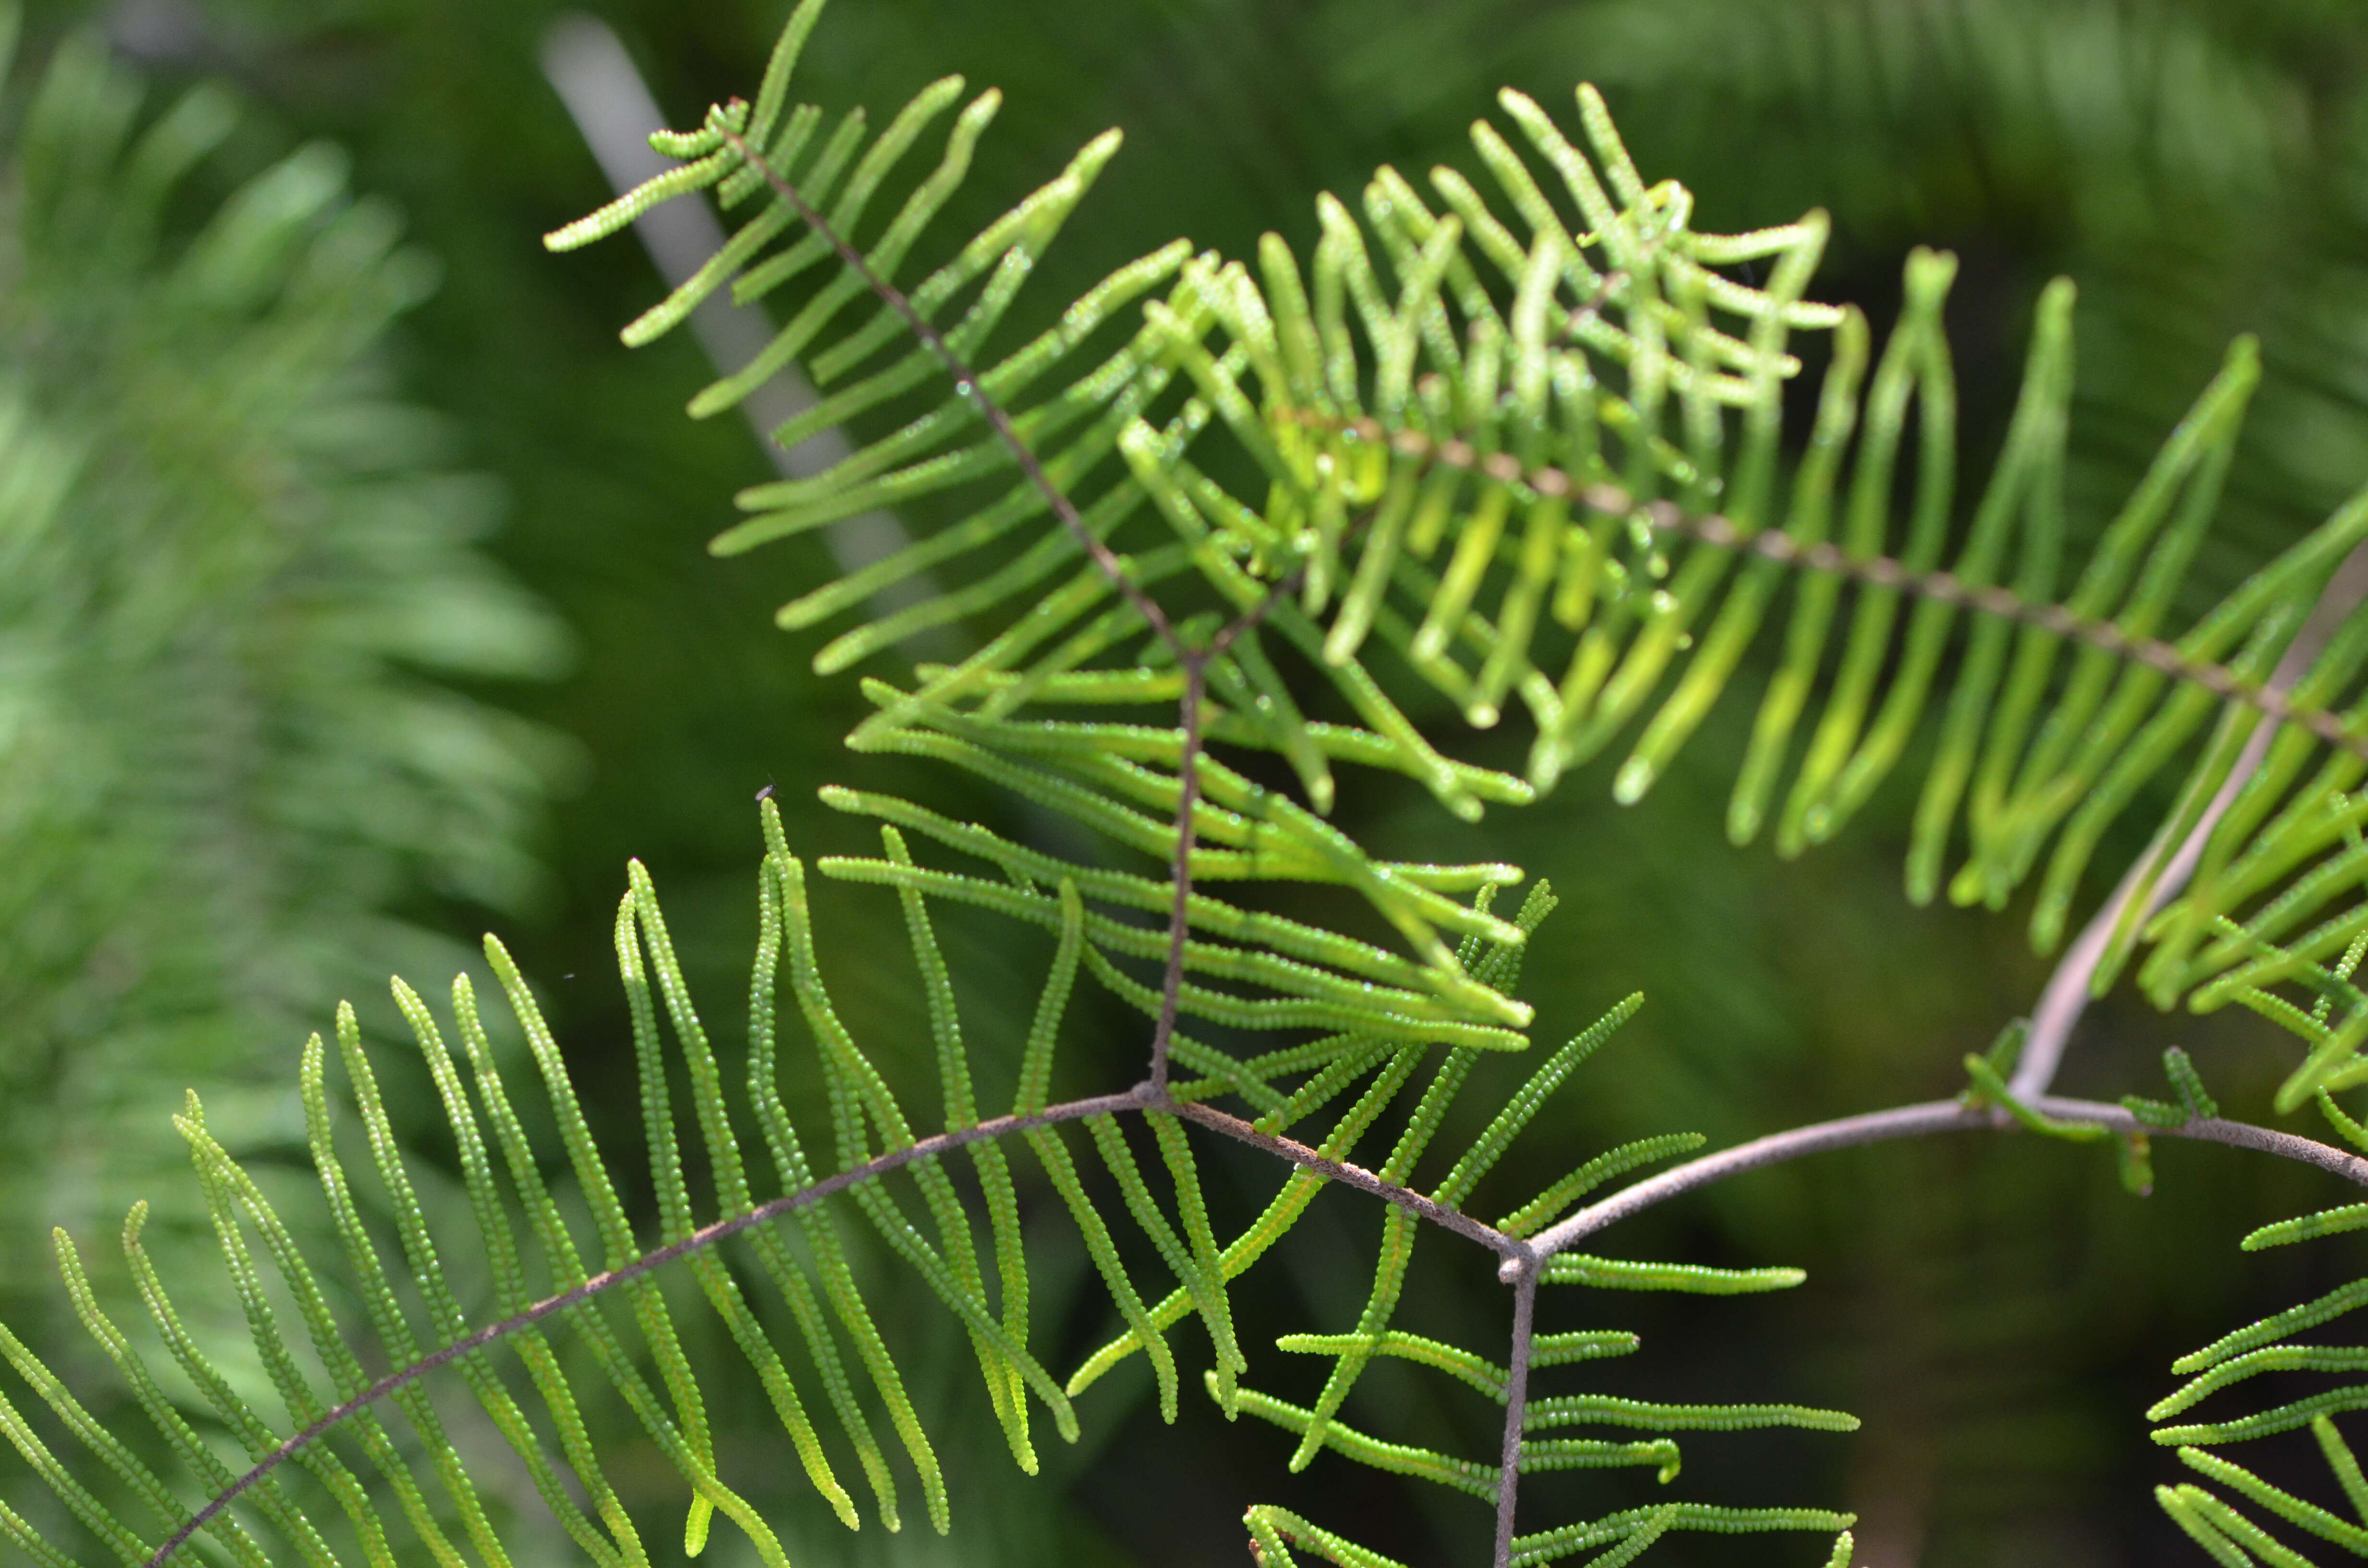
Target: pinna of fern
column 546, row 1290
column 1515, row 436
column 2232, row 1533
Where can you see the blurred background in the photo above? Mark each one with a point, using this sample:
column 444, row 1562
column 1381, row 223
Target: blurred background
column 354, row 601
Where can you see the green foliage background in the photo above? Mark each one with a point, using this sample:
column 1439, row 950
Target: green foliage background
column 1998, row 1312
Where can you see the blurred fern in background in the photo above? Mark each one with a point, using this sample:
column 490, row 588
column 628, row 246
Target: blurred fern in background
column 241, row 593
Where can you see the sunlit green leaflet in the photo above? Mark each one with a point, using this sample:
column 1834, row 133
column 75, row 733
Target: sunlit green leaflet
column 1646, row 529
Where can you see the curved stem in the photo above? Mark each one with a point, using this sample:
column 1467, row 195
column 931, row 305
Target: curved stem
column 2068, row 989
column 1915, row 1121
column 2065, row 996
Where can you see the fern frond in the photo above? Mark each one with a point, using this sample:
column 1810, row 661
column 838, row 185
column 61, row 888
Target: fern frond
column 434, row 1501
column 2266, row 1347
column 1524, row 444
column 1503, row 442
column 2017, row 801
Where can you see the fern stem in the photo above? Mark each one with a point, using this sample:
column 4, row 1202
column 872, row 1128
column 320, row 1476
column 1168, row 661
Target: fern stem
column 1517, row 1401
column 1195, row 663
column 1914, row 1121
column 1188, row 796
column 1364, row 1180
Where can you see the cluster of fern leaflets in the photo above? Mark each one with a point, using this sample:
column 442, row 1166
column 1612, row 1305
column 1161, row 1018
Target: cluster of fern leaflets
column 1518, row 447
column 2219, row 1527
column 1503, row 446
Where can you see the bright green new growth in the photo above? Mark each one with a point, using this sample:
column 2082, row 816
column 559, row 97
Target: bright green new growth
column 1542, row 448
column 1527, row 445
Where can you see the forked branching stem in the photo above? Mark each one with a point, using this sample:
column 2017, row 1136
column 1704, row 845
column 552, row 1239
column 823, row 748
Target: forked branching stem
column 1520, row 1258
column 1346, row 1175
column 1517, row 1403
